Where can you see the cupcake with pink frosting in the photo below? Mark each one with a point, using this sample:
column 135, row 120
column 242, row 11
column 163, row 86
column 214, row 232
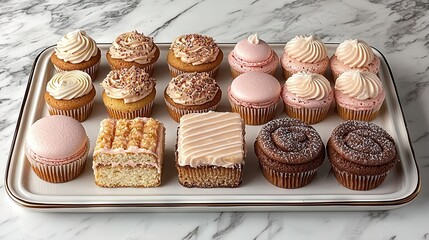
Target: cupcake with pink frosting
column 57, row 148
column 254, row 95
column 307, row 96
column 252, row 54
column 359, row 95
column 354, row 54
column 304, row 53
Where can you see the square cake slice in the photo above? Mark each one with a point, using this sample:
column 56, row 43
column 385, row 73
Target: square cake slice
column 210, row 150
column 129, row 153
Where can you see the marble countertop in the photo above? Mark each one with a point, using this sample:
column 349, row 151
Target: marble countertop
column 399, row 29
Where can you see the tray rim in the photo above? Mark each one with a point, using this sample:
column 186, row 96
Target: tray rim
column 208, row 206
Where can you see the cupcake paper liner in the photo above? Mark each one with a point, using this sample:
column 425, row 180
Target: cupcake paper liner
column 174, row 72
column 80, row 114
column 177, row 113
column 358, row 182
column 59, row 173
column 308, row 115
column 210, row 176
column 361, row 115
column 288, row 180
column 92, row 71
column 255, row 116
column 146, row 111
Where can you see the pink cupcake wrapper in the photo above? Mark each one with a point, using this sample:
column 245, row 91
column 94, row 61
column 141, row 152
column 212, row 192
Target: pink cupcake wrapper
column 358, row 182
column 146, row 111
column 361, row 115
column 80, row 114
column 178, row 113
column 62, row 172
column 92, row 71
column 308, row 115
column 255, row 116
column 175, row 72
column 288, row 180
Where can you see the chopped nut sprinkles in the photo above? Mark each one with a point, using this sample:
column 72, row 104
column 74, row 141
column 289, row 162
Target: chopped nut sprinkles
column 195, row 49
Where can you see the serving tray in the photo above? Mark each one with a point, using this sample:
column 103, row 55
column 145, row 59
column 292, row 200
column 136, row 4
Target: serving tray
column 255, row 194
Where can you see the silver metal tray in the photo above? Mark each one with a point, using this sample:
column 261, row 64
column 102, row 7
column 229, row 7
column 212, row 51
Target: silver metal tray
column 255, row 194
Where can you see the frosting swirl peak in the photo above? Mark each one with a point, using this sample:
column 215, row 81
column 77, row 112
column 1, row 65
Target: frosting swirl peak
column 68, row 85
column 133, row 47
column 306, row 49
column 195, row 49
column 76, row 47
column 360, row 85
column 130, row 84
column 354, row 53
column 308, row 85
column 253, row 39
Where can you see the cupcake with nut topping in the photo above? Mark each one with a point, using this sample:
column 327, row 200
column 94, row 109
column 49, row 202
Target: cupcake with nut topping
column 133, row 49
column 77, row 51
column 191, row 93
column 128, row 93
column 194, row 53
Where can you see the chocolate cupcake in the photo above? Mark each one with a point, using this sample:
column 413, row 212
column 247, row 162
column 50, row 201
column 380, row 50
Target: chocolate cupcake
column 289, row 152
column 361, row 154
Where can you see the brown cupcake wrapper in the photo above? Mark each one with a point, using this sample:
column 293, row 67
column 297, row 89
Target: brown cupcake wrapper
column 201, row 177
column 59, row 173
column 358, row 182
column 80, row 114
column 361, row 115
column 174, row 72
column 255, row 116
column 288, row 180
column 308, row 115
column 92, row 71
column 148, row 68
column 235, row 73
column 146, row 111
column 177, row 113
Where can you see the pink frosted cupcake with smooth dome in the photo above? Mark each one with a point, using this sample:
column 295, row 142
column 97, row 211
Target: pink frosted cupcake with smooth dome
column 307, row 96
column 354, row 54
column 304, row 53
column 254, row 95
column 252, row 54
column 359, row 95
column 57, row 147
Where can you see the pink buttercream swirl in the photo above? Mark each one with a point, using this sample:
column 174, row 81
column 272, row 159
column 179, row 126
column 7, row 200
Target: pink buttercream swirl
column 133, row 47
column 195, row 49
column 251, row 104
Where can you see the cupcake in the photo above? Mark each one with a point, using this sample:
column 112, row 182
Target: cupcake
column 191, row 93
column 194, row 53
column 304, row 53
column 128, row 93
column 133, row 49
column 252, row 54
column 359, row 95
column 77, row 51
column 361, row 154
column 254, row 95
column 354, row 54
column 290, row 152
column 57, row 148
column 70, row 93
column 307, row 96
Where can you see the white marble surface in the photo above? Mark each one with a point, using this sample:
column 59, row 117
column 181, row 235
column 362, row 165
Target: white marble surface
column 397, row 28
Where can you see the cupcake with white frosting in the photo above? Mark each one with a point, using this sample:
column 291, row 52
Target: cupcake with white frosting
column 70, row 93
column 307, row 96
column 133, row 49
column 304, row 53
column 128, row 93
column 359, row 95
column 77, row 51
column 354, row 54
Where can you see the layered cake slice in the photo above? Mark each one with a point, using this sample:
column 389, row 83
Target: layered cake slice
column 129, row 153
column 210, row 150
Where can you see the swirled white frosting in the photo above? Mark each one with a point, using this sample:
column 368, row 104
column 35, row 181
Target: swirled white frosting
column 76, row 47
column 354, row 53
column 308, row 85
column 306, row 49
column 358, row 84
column 68, row 85
column 253, row 39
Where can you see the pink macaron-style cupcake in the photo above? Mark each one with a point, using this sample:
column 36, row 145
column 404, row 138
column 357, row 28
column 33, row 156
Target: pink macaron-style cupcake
column 254, row 95
column 354, row 54
column 252, row 54
column 307, row 96
column 359, row 95
column 57, row 147
column 304, row 53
